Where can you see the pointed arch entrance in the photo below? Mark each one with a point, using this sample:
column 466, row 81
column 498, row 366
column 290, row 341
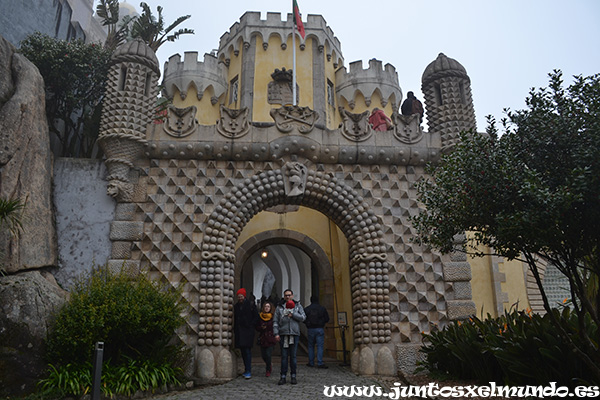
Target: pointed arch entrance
column 295, row 184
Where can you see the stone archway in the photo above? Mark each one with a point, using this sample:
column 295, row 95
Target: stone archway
column 294, row 184
column 285, row 236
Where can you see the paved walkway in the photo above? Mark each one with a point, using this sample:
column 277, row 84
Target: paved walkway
column 311, row 385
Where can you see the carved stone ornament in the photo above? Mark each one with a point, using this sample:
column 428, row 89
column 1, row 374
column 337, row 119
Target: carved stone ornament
column 180, row 122
column 407, row 128
column 121, row 151
column 355, row 127
column 294, row 176
column 233, row 123
column 289, row 117
column 120, row 190
column 279, row 90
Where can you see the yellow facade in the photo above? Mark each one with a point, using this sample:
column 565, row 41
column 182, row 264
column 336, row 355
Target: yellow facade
column 207, row 113
column 498, row 285
column 277, row 57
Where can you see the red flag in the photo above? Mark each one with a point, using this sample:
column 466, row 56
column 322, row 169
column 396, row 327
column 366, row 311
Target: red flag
column 298, row 20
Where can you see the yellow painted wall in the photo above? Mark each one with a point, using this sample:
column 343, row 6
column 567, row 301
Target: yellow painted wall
column 515, row 284
column 318, row 227
column 207, row 113
column 482, row 287
column 267, row 61
column 360, row 104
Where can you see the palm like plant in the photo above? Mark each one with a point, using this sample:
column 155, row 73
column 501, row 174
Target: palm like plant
column 152, row 31
column 108, row 11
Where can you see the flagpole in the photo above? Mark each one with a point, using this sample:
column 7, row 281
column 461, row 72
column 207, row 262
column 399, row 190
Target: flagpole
column 294, row 57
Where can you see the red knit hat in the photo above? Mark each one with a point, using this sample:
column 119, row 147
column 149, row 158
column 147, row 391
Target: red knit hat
column 241, row 291
column 290, row 304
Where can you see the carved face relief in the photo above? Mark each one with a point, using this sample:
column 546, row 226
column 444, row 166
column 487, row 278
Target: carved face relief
column 295, row 179
column 121, row 191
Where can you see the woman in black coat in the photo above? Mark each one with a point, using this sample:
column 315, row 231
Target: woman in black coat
column 245, row 318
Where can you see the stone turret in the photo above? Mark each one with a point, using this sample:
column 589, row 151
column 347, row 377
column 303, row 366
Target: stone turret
column 130, row 100
column 448, row 102
column 250, row 24
column 369, row 81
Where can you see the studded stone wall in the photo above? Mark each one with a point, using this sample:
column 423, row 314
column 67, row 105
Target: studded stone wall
column 195, row 211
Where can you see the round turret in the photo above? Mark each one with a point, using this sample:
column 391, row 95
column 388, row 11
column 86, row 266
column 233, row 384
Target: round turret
column 131, row 90
column 181, row 75
column 130, row 99
column 367, row 82
column 448, row 101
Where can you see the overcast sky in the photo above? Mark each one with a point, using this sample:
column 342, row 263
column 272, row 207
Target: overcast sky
column 506, row 46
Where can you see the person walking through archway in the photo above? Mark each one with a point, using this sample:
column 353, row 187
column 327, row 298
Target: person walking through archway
column 286, row 328
column 316, row 318
column 266, row 338
column 245, row 318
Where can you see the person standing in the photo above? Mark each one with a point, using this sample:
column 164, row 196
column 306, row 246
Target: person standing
column 379, row 120
column 412, row 106
column 286, row 328
column 245, row 318
column 316, row 318
column 266, row 338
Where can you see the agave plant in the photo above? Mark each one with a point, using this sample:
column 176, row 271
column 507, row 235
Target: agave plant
column 11, row 214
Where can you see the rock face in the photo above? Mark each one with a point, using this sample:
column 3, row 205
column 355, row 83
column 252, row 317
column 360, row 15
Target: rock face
column 25, row 163
column 27, row 294
column 27, row 301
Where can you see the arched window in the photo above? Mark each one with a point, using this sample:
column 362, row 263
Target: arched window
column 122, row 78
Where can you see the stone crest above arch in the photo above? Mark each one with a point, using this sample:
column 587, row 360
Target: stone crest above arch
column 324, row 193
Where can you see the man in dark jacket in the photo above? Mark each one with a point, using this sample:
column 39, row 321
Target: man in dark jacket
column 316, row 318
column 412, row 106
column 245, row 318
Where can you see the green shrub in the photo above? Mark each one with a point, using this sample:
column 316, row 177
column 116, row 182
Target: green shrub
column 516, row 348
column 133, row 316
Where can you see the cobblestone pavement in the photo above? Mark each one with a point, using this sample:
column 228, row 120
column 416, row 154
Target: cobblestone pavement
column 311, row 385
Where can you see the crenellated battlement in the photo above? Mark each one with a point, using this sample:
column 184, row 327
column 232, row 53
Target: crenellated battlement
column 179, row 75
column 366, row 81
column 251, row 24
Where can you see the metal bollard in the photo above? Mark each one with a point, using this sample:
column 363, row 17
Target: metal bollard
column 97, row 371
column 343, row 328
